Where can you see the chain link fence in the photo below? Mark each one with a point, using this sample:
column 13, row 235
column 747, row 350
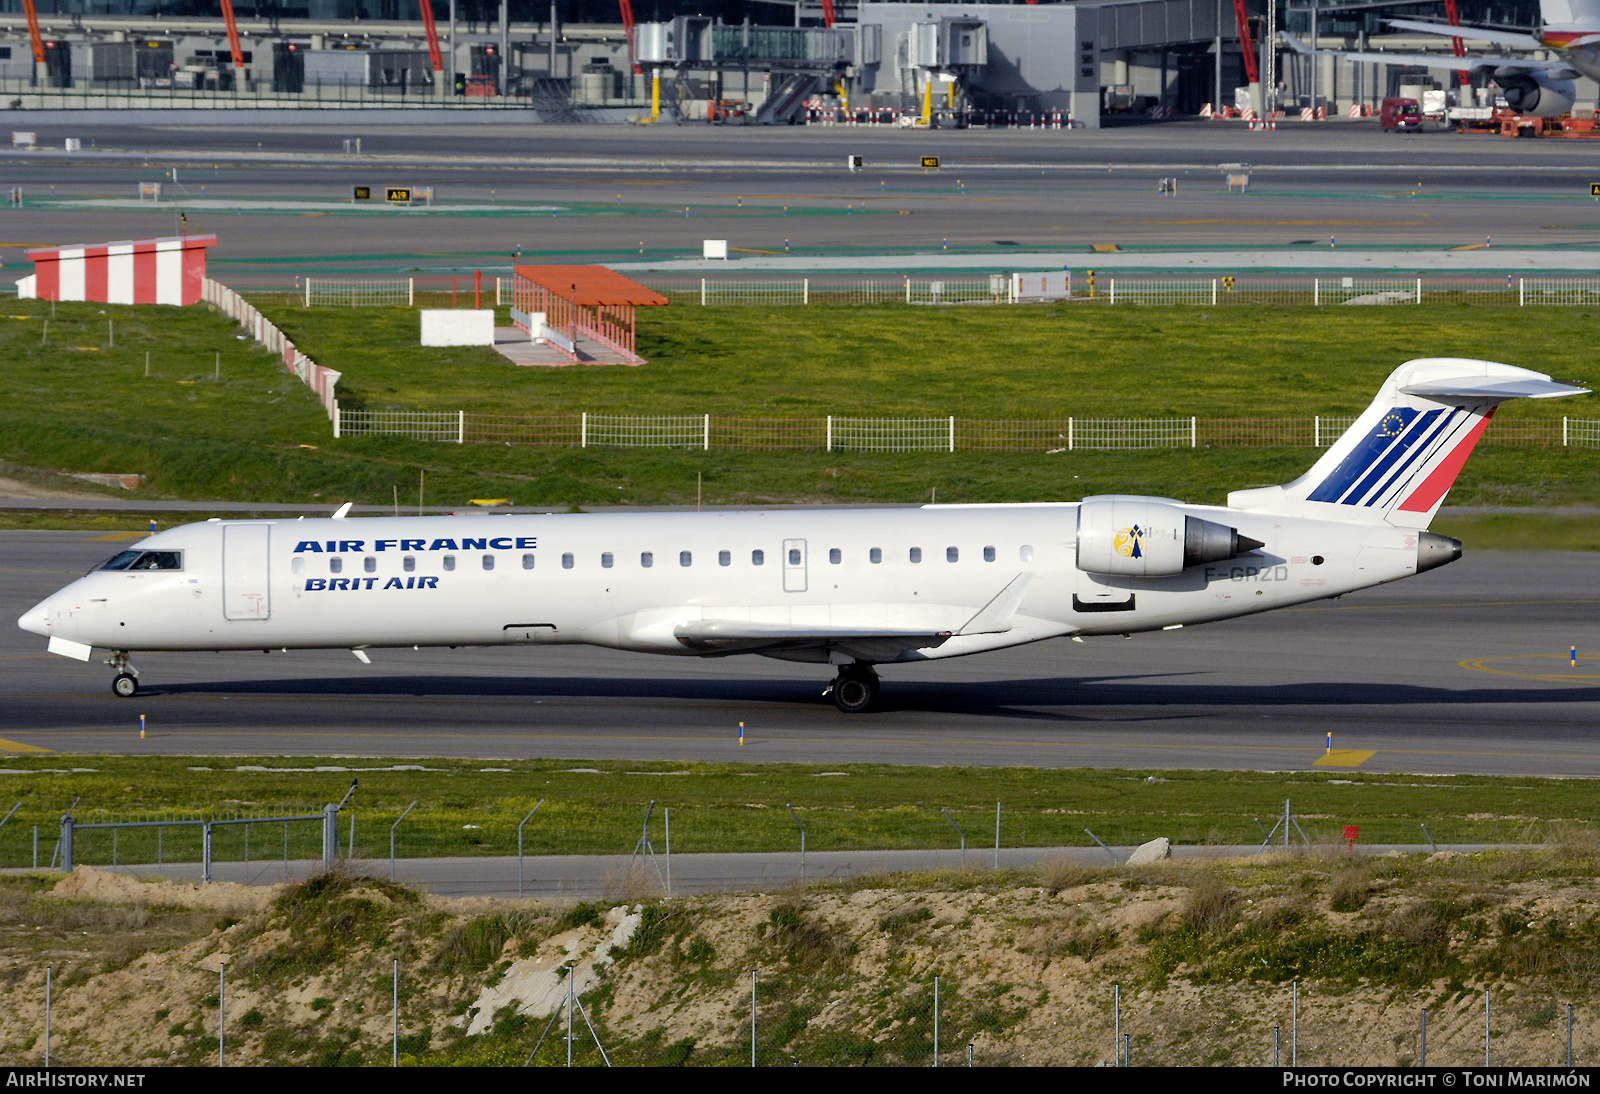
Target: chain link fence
column 851, row 434
column 343, row 971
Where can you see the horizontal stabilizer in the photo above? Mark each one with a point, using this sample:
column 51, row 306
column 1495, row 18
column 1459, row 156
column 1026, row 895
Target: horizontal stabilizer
column 1479, row 388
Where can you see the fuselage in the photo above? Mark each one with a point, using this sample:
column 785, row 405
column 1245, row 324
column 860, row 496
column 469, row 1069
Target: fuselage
column 978, row 577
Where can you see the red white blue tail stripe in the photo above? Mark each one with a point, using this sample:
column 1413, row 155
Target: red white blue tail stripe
column 1384, row 467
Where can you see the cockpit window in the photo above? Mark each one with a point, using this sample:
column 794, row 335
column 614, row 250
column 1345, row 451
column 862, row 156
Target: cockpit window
column 146, row 560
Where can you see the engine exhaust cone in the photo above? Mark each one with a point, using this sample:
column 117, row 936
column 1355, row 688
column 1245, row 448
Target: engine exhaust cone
column 1436, row 550
column 1206, row 541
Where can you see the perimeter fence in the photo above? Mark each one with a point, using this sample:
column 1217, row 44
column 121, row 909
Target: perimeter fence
column 1099, row 288
column 410, row 1001
column 354, row 970
column 949, row 434
column 1084, row 287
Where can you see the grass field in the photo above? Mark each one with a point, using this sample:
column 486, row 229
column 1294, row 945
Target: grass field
column 974, row 362
column 473, row 807
column 70, row 400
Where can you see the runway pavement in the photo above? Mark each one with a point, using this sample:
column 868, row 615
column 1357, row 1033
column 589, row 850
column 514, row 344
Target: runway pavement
column 1463, row 670
column 279, row 198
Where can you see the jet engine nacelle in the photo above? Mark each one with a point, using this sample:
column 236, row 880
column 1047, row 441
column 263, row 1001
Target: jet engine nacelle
column 1132, row 536
column 1535, row 96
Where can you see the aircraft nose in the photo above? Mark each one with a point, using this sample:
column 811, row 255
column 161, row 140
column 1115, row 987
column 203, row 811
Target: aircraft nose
column 36, row 618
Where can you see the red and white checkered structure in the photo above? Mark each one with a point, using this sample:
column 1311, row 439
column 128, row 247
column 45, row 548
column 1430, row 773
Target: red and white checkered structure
column 135, row 271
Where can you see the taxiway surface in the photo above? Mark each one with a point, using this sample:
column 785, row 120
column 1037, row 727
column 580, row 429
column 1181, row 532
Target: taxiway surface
column 1464, row 669
column 279, row 198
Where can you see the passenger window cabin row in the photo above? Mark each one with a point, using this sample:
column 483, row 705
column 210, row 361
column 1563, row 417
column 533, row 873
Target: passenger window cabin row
column 758, row 557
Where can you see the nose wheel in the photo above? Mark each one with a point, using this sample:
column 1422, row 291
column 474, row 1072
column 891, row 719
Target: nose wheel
column 125, row 684
column 854, row 690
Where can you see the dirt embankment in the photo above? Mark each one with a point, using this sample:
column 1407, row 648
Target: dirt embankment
column 1200, row 958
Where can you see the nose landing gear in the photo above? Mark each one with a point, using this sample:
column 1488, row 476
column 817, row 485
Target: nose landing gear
column 855, row 689
column 126, row 683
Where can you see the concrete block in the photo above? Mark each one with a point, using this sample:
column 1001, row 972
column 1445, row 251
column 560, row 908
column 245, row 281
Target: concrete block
column 457, row 327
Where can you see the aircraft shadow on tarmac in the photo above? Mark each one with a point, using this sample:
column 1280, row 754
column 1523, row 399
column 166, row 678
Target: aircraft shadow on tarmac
column 1115, row 697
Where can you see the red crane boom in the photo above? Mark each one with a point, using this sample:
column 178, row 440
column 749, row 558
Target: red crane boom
column 627, row 32
column 1252, row 73
column 432, row 32
column 1454, row 18
column 33, row 31
column 233, row 33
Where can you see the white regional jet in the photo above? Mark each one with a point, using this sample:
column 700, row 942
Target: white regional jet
column 849, row 588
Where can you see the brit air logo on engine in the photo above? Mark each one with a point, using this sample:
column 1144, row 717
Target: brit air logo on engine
column 356, row 546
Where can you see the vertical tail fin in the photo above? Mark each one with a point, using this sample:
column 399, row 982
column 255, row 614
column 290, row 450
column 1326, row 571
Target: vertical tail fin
column 1397, row 462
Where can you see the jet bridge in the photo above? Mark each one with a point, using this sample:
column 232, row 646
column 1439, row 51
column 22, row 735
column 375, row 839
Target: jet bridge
column 799, row 61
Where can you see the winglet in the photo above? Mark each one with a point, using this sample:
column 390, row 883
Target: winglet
column 343, row 510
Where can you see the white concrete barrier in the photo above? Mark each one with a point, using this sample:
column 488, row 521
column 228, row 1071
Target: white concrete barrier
column 457, row 327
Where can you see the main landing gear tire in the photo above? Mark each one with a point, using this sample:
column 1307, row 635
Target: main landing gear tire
column 854, row 692
column 125, row 685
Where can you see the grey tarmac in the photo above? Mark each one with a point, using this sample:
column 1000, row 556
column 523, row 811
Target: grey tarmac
column 607, row 193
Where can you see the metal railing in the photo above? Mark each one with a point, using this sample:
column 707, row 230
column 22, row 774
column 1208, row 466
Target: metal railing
column 759, row 291
column 459, row 291
column 891, row 434
column 948, row 434
column 100, row 94
column 1088, row 286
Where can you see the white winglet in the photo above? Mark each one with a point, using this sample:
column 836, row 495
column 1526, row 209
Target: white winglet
column 343, row 510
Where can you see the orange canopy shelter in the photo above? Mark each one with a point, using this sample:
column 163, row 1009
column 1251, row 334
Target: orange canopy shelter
column 582, row 304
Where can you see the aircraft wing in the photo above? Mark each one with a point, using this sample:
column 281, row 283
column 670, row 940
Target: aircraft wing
column 872, row 641
column 1557, row 69
column 725, row 637
column 1477, row 34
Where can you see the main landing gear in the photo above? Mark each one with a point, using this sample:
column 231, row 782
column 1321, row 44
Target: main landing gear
column 126, row 683
column 855, row 689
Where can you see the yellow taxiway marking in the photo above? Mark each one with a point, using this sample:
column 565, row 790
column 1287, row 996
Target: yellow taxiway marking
column 18, row 746
column 1343, row 757
column 1487, row 664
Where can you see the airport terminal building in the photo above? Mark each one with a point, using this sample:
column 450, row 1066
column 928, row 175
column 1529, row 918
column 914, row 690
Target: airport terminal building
column 1092, row 59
